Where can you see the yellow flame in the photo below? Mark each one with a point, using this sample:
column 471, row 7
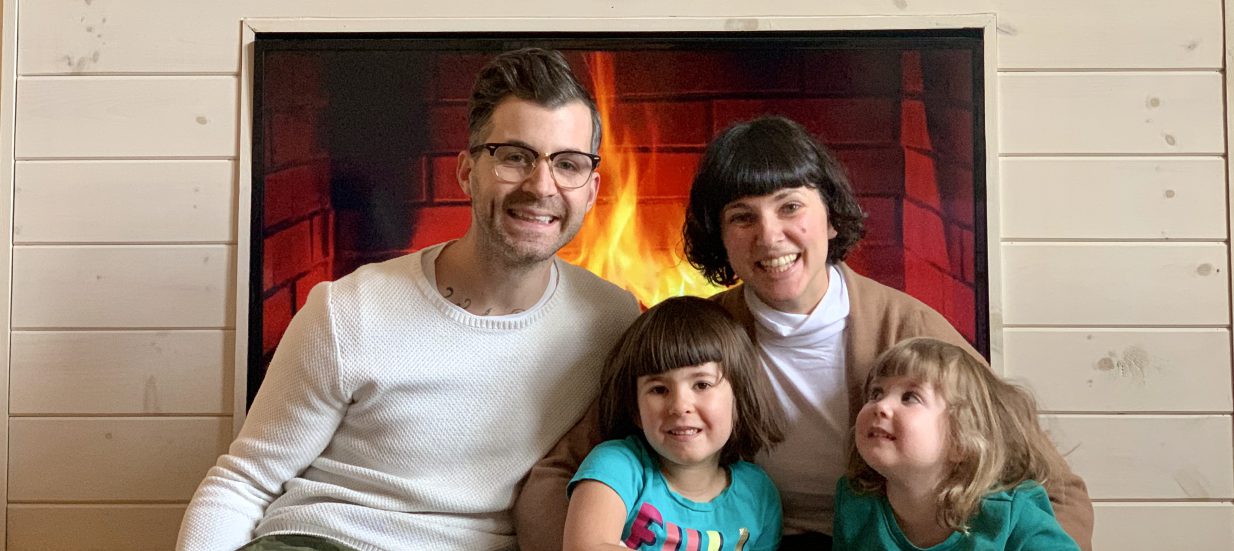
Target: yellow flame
column 618, row 241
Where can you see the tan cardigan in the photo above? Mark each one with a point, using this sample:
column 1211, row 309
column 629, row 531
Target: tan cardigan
column 879, row 317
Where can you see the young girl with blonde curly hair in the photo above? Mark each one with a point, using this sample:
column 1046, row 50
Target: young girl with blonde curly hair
column 945, row 455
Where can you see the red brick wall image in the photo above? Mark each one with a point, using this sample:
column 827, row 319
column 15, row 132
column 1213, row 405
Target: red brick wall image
column 359, row 154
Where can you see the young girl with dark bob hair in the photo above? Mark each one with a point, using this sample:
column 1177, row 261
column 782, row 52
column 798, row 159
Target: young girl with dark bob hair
column 684, row 409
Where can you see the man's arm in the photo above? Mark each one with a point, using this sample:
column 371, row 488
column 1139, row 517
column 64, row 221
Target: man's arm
column 540, row 510
column 293, row 418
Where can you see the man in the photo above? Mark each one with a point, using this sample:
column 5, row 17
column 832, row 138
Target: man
column 407, row 400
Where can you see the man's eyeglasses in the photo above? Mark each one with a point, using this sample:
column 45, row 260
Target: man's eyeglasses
column 515, row 163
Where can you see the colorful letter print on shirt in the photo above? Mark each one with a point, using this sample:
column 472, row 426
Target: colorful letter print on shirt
column 649, row 531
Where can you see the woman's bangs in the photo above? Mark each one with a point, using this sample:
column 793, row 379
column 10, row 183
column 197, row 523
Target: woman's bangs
column 756, row 177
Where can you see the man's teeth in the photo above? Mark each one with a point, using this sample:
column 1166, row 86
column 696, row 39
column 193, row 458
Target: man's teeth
column 540, row 219
column 780, row 263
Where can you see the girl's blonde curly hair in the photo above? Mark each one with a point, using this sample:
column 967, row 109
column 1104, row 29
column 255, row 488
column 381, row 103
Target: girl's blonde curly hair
column 992, row 429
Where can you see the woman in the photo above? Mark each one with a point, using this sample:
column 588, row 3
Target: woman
column 771, row 207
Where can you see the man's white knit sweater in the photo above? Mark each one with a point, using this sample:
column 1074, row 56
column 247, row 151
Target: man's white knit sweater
column 391, row 419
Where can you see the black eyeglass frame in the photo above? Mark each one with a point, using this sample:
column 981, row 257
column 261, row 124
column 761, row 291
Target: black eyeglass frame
column 492, row 151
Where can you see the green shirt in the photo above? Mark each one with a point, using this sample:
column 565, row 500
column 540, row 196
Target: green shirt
column 1019, row 519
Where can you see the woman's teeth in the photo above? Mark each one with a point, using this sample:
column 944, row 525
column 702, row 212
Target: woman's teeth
column 780, row 263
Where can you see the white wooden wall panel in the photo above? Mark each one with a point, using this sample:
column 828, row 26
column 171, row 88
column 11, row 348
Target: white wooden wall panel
column 1108, row 34
column 94, row 527
column 121, row 372
column 1154, row 527
column 129, row 116
column 112, row 458
column 158, row 58
column 1068, row 112
column 117, row 201
column 1147, row 370
column 1113, row 198
column 123, row 286
column 1148, row 456
column 110, row 36
column 1115, row 284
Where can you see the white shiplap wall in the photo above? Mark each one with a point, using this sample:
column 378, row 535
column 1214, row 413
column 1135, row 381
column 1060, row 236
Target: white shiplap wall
column 1111, row 203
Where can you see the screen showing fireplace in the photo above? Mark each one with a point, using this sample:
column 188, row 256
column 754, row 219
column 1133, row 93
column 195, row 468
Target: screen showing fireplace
column 356, row 137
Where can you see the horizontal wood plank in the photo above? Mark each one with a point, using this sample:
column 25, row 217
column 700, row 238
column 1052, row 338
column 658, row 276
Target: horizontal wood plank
column 112, row 459
column 1108, row 34
column 148, row 116
column 1157, row 526
column 121, row 372
column 1148, row 456
column 1115, row 284
column 1096, row 113
column 1098, row 370
column 94, row 527
column 117, row 201
column 1113, row 198
column 123, row 286
column 108, row 37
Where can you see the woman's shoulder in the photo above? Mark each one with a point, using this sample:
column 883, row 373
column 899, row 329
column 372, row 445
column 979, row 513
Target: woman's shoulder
column 867, row 292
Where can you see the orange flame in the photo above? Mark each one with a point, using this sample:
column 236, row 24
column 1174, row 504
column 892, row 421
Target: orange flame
column 639, row 250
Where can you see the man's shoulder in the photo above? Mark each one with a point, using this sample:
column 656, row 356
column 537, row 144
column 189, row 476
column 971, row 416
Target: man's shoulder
column 377, row 286
column 400, row 270
column 590, row 285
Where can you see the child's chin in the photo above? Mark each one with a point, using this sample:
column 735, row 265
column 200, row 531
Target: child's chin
column 875, row 463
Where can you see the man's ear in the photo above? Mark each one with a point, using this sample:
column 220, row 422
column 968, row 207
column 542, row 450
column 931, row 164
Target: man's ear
column 594, row 188
column 466, row 163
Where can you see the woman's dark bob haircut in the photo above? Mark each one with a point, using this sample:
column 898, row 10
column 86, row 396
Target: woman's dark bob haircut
column 684, row 332
column 756, row 158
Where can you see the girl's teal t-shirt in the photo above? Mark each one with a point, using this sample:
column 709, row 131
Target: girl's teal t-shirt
column 746, row 516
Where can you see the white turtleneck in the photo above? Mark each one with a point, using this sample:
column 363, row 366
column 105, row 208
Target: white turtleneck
column 804, row 358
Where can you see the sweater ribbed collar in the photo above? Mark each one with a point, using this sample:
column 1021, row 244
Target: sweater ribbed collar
column 424, row 273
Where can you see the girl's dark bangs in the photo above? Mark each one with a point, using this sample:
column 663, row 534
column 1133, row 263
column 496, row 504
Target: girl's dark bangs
column 679, row 345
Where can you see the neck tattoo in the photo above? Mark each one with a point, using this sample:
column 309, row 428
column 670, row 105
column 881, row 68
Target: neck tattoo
column 465, row 303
